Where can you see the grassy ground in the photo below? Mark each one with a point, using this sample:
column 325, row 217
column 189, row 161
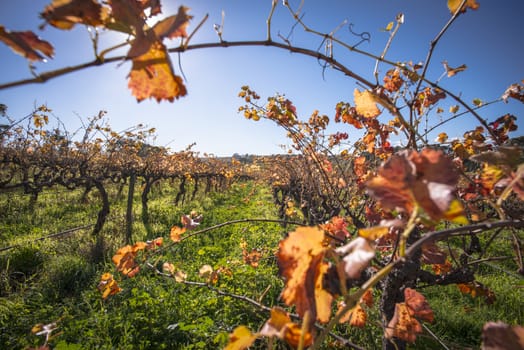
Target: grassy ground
column 56, row 279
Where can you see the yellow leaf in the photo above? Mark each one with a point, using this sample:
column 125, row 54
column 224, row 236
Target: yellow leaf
column 442, row 137
column 365, row 104
column 240, row 339
column 389, row 27
column 373, row 233
column 455, row 213
column 453, row 109
column 453, row 5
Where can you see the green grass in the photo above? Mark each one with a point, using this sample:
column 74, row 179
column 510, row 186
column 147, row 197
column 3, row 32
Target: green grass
column 55, row 279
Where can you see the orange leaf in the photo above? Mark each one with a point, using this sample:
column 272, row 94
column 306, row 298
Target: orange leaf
column 276, row 323
column 403, row 325
column 167, row 267
column 323, row 299
column 365, row 104
column 300, row 259
column 418, row 305
column 442, row 137
column 367, row 298
column 124, row 260
column 251, row 258
column 453, row 5
column 64, row 14
column 176, row 233
column 240, row 339
column 152, row 76
column 27, row 44
column 356, row 317
column 293, row 333
column 108, row 286
column 391, row 185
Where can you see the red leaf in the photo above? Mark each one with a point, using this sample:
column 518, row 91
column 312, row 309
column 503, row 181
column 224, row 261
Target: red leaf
column 27, row 44
column 418, row 305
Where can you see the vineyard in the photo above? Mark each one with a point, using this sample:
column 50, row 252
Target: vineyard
column 111, row 242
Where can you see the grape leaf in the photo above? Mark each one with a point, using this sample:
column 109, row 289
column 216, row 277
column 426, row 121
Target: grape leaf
column 453, row 5
column 300, row 262
column 173, row 26
column 358, row 254
column 154, row 6
column 365, row 104
column 276, row 323
column 152, row 76
column 373, row 233
column 427, row 179
column 251, row 258
column 391, row 185
column 418, row 305
column 241, row 338
column 27, row 44
column 108, row 286
column 403, row 325
column 356, row 317
column 453, row 71
column 64, row 14
column 176, row 233
column 501, row 336
column 515, row 91
column 280, row 325
column 124, row 259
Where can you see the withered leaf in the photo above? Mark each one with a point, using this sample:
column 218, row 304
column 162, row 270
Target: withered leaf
column 300, row 261
column 173, row 26
column 64, row 14
column 418, row 305
column 152, row 76
column 127, row 16
column 453, row 71
column 240, row 339
column 356, row 317
column 403, row 325
column 501, row 336
column 27, row 44
column 391, row 185
column 365, row 104
column 453, row 5
column 357, row 255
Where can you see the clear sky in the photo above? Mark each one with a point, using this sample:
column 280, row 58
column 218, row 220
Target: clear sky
column 486, row 40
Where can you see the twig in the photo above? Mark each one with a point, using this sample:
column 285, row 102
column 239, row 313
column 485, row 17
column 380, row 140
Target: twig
column 434, row 43
column 53, row 235
column 399, row 20
column 268, row 21
column 46, row 76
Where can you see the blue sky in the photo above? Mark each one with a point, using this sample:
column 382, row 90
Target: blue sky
column 486, row 40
